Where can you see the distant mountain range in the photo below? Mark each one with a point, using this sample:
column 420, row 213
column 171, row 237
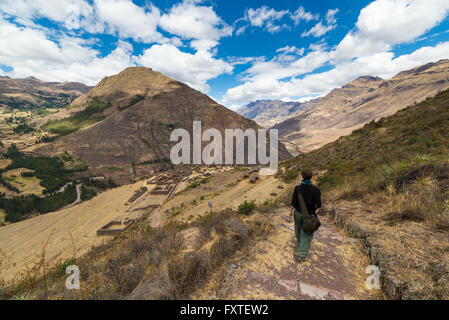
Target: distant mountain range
column 31, row 93
column 343, row 110
column 269, row 112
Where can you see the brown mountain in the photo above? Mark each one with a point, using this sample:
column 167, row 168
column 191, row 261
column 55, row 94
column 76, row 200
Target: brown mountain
column 359, row 102
column 269, row 112
column 140, row 109
column 30, row 93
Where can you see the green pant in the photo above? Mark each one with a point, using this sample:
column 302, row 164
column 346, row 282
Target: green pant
column 304, row 238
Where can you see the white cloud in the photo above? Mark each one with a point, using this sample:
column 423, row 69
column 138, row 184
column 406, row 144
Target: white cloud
column 192, row 21
column 263, row 17
column 71, row 14
column 234, row 107
column 379, row 64
column 57, row 55
column 26, row 44
column 302, row 15
column 385, row 23
column 129, row 20
column 30, row 52
column 287, row 64
column 259, row 17
column 92, row 71
column 321, row 29
column 233, row 61
column 57, row 10
column 367, row 50
column 269, row 18
column 291, row 49
column 193, row 69
column 330, row 16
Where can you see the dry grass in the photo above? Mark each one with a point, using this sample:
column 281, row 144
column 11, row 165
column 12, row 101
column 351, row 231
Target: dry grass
column 425, row 200
column 145, row 262
column 408, row 228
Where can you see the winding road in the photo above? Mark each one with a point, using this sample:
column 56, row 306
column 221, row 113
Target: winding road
column 78, row 196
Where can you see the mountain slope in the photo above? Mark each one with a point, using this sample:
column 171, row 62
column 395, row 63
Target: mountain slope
column 365, row 99
column 388, row 184
column 30, row 93
column 129, row 118
column 269, row 112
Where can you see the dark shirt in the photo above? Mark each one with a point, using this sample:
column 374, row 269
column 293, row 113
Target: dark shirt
column 311, row 195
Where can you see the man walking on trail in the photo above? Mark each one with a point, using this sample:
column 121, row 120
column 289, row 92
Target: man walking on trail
column 312, row 199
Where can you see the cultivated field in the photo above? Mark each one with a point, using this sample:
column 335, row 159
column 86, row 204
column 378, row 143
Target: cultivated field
column 62, row 234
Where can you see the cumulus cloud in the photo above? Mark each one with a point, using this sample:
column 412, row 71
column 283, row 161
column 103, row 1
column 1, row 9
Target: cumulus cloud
column 57, row 10
column 366, row 50
column 313, row 85
column 193, row 69
column 55, row 54
column 31, row 52
column 67, row 52
column 190, row 20
column 385, row 23
column 129, row 20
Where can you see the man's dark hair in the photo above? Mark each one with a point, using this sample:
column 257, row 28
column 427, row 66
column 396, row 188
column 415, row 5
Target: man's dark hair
column 307, row 174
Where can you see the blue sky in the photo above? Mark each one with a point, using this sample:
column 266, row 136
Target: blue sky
column 236, row 52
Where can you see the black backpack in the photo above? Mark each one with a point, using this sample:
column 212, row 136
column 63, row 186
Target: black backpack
column 310, row 223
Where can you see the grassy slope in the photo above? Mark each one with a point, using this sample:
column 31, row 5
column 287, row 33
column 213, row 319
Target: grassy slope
column 391, row 179
column 381, row 151
column 84, row 118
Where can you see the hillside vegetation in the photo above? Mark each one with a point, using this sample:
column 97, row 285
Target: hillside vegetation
column 84, row 118
column 390, row 181
column 382, row 153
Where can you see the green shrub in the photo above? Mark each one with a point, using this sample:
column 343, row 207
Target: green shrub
column 23, row 128
column 246, row 207
column 27, row 174
column 87, row 193
column 135, row 100
column 84, row 118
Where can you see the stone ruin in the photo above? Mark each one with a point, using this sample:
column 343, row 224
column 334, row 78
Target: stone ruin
column 137, row 194
column 115, row 227
column 165, row 185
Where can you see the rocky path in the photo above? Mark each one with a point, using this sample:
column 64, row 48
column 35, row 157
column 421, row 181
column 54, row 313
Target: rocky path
column 335, row 268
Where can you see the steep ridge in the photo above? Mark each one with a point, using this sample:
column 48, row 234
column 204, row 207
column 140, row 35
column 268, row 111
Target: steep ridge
column 363, row 100
column 31, row 93
column 141, row 108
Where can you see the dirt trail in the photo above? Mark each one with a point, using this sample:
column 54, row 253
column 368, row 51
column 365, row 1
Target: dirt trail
column 335, row 268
